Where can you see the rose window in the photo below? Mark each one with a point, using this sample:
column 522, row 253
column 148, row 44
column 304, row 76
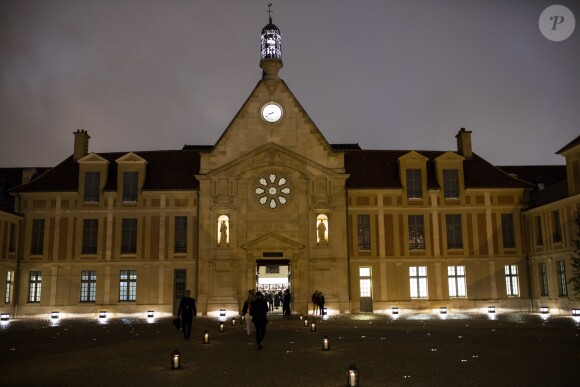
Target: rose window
column 273, row 191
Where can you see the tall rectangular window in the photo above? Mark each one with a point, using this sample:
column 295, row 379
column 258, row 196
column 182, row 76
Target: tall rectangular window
column 92, row 186
column 34, row 286
column 12, row 238
column 128, row 285
column 414, row 185
column 416, row 232
column 557, row 227
column 507, row 231
column 454, row 231
column 562, row 282
column 456, row 279
column 9, row 287
column 129, row 236
column 180, row 240
column 130, row 186
column 511, row 280
column 364, row 232
column 450, row 183
column 88, row 286
column 543, row 272
column 539, row 234
column 365, row 281
column 90, row 236
column 37, row 242
column 418, row 281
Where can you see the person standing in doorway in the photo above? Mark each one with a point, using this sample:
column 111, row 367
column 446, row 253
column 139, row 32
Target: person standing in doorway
column 259, row 311
column 321, row 302
column 286, row 303
column 187, row 311
column 250, row 299
column 314, row 302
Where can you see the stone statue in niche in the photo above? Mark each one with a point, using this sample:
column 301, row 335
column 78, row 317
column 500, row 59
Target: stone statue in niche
column 321, row 233
column 223, row 234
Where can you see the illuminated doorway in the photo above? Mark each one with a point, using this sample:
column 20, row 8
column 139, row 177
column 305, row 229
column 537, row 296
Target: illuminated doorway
column 273, row 277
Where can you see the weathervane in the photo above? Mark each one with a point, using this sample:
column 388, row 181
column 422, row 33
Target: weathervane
column 270, row 12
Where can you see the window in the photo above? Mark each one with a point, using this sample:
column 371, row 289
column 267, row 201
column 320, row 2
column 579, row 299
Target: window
column 414, row 186
column 562, row 283
column 9, row 287
column 456, row 278
column 365, row 281
column 450, row 183
column 418, row 281
column 88, row 286
column 34, row 286
column 128, row 285
column 454, row 232
column 92, row 186
column 507, row 231
column 364, row 232
column 543, row 279
column 539, row 237
column 129, row 236
column 557, row 227
column 90, row 236
column 36, row 246
column 12, row 238
column 511, row 280
column 130, row 184
column 180, row 240
column 416, row 232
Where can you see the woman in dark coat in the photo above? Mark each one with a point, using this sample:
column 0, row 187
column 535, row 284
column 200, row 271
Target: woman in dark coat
column 286, row 303
column 259, row 311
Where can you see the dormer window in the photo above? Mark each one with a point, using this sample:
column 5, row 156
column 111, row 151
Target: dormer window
column 92, row 186
column 451, row 183
column 414, row 190
column 130, row 186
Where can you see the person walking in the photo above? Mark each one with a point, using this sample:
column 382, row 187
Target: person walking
column 314, row 302
column 250, row 299
column 321, row 302
column 187, row 311
column 259, row 312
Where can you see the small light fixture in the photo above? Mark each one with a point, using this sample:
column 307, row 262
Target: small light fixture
column 544, row 310
column 243, row 319
column 395, row 310
column 352, row 376
column 103, row 314
column 301, row 317
column 221, row 327
column 443, row 310
column 222, row 313
column 575, row 312
column 150, row 314
column 491, row 309
column 175, row 360
column 4, row 317
column 305, row 322
column 54, row 314
column 313, row 326
column 205, row 337
column 325, row 343
column 234, row 322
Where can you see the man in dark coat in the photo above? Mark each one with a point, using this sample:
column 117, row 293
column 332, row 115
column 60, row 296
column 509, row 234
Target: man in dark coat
column 286, row 298
column 259, row 311
column 186, row 311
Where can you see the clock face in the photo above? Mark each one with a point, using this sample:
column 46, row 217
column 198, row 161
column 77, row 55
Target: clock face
column 272, row 112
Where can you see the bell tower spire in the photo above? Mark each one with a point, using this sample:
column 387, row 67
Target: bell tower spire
column 271, row 48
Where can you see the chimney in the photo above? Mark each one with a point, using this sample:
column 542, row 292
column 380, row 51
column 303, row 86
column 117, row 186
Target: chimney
column 81, row 144
column 464, row 143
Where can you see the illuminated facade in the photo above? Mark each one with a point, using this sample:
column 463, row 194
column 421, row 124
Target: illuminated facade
column 273, row 205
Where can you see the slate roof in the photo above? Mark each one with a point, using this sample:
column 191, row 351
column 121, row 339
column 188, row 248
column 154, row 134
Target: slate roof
column 534, row 174
column 165, row 170
column 380, row 169
column 570, row 145
column 10, row 178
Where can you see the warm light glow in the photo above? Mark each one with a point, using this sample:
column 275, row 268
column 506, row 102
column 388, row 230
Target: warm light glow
column 443, row 310
column 575, row 312
column 395, row 310
column 176, row 359
column 352, row 375
column 206, row 337
column 544, row 310
column 4, row 317
column 150, row 314
column 234, row 322
column 325, row 343
column 313, row 327
column 102, row 314
column 54, row 314
column 305, row 322
column 221, row 327
column 301, row 317
column 491, row 309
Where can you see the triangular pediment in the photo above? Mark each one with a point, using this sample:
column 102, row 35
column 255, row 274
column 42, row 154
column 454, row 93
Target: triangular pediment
column 413, row 156
column 272, row 241
column 92, row 158
column 450, row 156
column 249, row 130
column 131, row 158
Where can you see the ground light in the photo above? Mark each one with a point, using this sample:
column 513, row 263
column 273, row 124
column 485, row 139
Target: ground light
column 205, row 337
column 491, row 309
column 544, row 310
column 395, row 310
column 175, row 359
column 221, row 327
column 301, row 317
column 55, row 314
column 234, row 322
column 103, row 314
column 325, row 343
column 576, row 312
column 150, row 314
column 443, row 310
column 313, row 326
column 352, row 376
column 305, row 322
column 4, row 317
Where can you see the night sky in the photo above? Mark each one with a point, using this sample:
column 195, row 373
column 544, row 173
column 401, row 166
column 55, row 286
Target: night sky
column 406, row 74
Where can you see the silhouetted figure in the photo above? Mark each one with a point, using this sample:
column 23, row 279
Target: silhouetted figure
column 186, row 311
column 286, row 303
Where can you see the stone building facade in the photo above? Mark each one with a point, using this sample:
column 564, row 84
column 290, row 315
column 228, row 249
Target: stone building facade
column 272, row 205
